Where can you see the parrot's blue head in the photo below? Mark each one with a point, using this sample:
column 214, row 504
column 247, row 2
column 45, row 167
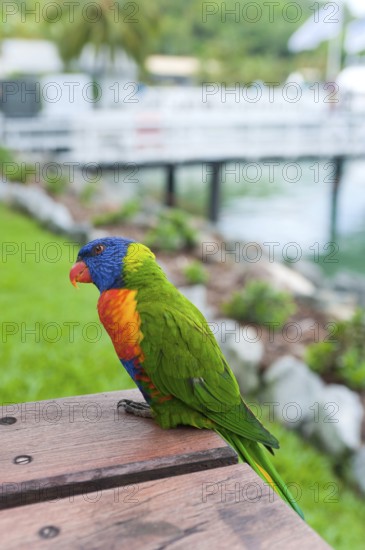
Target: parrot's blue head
column 101, row 262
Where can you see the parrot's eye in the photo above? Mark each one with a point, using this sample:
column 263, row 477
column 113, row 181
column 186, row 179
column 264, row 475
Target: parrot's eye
column 98, row 249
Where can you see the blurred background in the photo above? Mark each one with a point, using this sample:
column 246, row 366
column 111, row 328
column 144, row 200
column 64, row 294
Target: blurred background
column 230, row 138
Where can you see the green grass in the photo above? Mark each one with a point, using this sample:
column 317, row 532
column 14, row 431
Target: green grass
column 34, row 290
column 330, row 507
column 60, row 359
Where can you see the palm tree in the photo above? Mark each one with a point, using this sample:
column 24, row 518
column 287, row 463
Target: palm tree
column 127, row 25
column 116, row 25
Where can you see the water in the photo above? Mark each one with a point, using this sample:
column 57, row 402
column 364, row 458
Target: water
column 298, row 215
column 300, row 211
column 351, row 217
column 290, row 202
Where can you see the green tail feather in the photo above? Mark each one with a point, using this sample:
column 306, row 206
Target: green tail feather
column 256, row 456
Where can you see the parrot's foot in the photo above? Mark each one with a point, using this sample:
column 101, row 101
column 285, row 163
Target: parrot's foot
column 135, row 407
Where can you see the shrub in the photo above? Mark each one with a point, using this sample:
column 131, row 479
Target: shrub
column 54, row 183
column 195, row 273
column 88, row 192
column 125, row 213
column 342, row 357
column 17, row 171
column 260, row 303
column 173, row 232
column 320, row 356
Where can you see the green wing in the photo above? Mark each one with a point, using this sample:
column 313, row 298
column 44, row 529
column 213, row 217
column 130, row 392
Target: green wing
column 182, row 358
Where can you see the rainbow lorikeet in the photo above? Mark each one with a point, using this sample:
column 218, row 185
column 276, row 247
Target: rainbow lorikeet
column 165, row 344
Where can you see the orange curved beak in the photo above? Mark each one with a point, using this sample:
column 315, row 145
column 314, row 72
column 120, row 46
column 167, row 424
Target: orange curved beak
column 80, row 274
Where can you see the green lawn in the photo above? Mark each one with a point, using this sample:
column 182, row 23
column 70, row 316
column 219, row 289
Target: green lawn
column 330, row 507
column 42, row 357
column 52, row 343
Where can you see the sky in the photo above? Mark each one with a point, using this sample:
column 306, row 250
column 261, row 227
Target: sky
column 357, row 7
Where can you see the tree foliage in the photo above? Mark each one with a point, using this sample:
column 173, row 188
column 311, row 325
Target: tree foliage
column 236, row 41
column 115, row 24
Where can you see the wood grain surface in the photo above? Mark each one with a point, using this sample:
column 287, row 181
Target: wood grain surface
column 76, row 445
column 228, row 507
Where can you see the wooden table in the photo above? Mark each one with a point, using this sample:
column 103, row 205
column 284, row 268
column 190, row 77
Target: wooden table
column 75, row 473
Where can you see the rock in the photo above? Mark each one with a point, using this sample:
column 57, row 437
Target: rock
column 282, row 277
column 209, row 248
column 310, row 271
column 292, row 389
column 97, row 233
column 336, row 424
column 38, row 205
column 53, row 215
column 243, row 349
column 357, row 468
column 330, row 414
column 147, row 216
column 337, row 305
column 197, row 294
column 4, row 192
column 166, row 269
column 41, row 207
column 350, row 283
column 346, row 281
column 81, row 233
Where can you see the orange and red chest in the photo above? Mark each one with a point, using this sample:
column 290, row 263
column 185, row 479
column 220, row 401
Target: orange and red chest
column 118, row 312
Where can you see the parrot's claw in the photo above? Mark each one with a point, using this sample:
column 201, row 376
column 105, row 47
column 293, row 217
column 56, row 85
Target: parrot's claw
column 135, row 407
